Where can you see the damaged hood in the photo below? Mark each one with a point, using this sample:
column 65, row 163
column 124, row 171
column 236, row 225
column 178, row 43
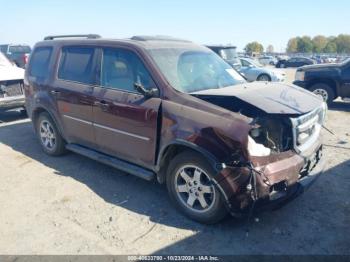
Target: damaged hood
column 272, row 98
column 11, row 72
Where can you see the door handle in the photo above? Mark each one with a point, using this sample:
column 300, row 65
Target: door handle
column 55, row 92
column 102, row 104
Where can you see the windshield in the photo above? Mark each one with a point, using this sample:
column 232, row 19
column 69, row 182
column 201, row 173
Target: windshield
column 254, row 62
column 194, row 70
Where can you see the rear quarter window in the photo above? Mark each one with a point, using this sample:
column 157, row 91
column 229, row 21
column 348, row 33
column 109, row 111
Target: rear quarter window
column 39, row 62
column 76, row 64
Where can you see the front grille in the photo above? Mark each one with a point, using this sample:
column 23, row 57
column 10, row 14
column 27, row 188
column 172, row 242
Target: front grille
column 307, row 128
column 11, row 88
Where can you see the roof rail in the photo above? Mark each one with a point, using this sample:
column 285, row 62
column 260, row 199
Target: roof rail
column 157, row 38
column 88, row 36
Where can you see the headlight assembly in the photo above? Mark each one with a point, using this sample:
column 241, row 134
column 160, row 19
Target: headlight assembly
column 256, row 149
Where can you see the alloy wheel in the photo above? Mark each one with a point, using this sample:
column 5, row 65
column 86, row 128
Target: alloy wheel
column 194, row 188
column 47, row 135
column 264, row 78
column 322, row 93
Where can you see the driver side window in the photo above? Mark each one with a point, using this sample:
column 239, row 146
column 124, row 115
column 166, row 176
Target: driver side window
column 121, row 69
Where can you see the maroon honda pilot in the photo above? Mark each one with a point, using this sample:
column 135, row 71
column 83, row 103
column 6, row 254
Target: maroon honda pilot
column 168, row 109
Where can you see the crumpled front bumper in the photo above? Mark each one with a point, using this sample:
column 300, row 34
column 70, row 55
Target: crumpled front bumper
column 279, row 179
column 11, row 102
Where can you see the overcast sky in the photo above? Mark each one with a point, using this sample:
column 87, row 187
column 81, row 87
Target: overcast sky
column 205, row 22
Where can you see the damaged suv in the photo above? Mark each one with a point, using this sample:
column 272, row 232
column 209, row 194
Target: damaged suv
column 168, row 109
column 11, row 85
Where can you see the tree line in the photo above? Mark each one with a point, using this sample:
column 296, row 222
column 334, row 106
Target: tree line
column 319, row 44
column 305, row 44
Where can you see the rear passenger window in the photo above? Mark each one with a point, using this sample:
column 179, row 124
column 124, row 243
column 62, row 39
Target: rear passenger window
column 76, row 64
column 39, row 62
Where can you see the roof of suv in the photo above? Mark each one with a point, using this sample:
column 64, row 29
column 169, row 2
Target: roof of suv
column 147, row 42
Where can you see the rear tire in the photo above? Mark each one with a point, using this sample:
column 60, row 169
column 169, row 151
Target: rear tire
column 191, row 189
column 325, row 91
column 49, row 137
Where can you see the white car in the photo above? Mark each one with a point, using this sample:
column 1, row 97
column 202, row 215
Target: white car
column 267, row 60
column 11, row 84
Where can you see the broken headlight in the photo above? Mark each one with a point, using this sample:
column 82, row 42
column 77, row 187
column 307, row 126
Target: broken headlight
column 255, row 149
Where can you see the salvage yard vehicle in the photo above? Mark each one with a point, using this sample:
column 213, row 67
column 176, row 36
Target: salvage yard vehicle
column 328, row 80
column 11, row 85
column 250, row 69
column 17, row 54
column 254, row 71
column 168, row 109
column 267, row 60
column 228, row 53
column 294, row 62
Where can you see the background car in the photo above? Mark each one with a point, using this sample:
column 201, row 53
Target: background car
column 11, row 85
column 18, row 54
column 254, row 71
column 329, row 81
column 228, row 53
column 294, row 62
column 267, row 60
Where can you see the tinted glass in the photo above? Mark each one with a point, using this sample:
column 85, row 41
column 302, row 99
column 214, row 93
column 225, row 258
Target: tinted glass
column 121, row 69
column 76, row 64
column 3, row 48
column 39, row 61
column 19, row 49
column 244, row 63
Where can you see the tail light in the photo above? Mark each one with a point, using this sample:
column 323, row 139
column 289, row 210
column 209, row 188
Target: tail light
column 25, row 58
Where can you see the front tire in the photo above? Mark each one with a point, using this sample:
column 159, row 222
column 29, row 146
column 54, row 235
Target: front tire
column 191, row 188
column 50, row 139
column 324, row 91
column 264, row 77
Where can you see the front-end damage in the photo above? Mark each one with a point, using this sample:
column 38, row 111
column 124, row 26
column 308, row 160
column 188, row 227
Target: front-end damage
column 283, row 157
column 11, row 94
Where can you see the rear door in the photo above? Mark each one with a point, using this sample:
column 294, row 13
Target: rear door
column 125, row 121
column 73, row 89
column 292, row 62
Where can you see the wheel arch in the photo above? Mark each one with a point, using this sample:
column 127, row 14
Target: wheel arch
column 172, row 149
column 41, row 109
column 330, row 82
column 264, row 74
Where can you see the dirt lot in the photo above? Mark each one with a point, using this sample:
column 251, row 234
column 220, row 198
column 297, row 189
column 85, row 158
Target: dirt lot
column 72, row 205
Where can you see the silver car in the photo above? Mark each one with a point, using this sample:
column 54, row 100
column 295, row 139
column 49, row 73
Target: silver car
column 252, row 70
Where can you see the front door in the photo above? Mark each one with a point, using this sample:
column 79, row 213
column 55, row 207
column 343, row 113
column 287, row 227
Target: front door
column 125, row 121
column 73, row 90
column 345, row 81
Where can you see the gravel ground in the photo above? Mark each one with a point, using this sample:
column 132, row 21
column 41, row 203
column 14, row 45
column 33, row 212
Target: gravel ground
column 73, row 205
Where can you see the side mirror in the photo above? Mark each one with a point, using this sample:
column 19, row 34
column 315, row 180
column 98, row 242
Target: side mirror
column 153, row 92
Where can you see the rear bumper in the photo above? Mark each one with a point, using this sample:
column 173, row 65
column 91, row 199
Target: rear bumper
column 12, row 102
